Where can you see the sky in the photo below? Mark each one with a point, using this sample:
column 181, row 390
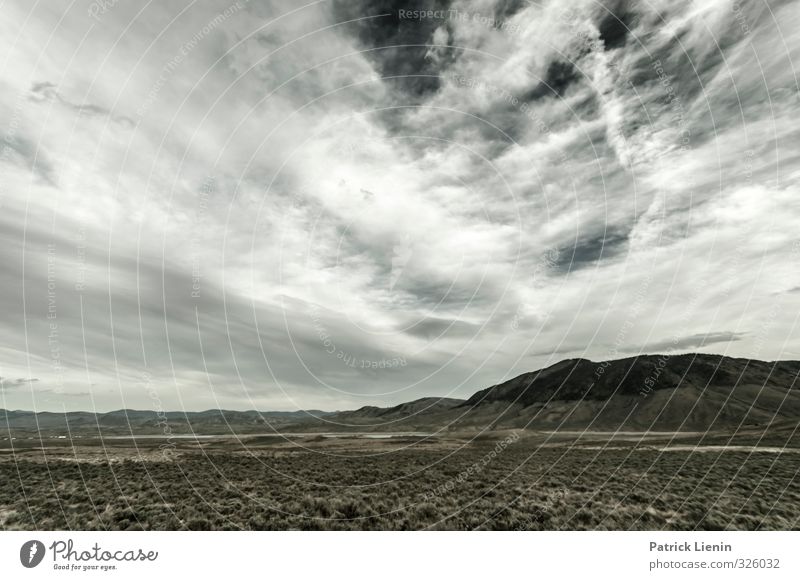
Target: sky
column 279, row 206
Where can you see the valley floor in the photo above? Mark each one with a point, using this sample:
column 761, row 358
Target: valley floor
column 506, row 481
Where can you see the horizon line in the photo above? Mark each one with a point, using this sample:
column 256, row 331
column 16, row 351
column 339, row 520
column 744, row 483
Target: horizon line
column 310, row 410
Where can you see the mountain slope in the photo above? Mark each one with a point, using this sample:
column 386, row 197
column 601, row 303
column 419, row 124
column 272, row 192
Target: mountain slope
column 659, row 392
column 576, row 379
column 693, row 392
column 424, row 406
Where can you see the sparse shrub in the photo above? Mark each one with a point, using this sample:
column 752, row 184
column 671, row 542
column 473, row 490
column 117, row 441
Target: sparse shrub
column 198, row 524
column 615, row 489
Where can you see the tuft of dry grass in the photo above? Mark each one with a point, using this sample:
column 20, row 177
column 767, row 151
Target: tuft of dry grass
column 522, row 488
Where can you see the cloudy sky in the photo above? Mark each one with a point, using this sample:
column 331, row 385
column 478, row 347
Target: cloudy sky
column 274, row 205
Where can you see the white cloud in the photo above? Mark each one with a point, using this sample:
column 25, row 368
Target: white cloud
column 482, row 221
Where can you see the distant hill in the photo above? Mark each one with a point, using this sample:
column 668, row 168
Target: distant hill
column 426, row 407
column 129, row 421
column 690, row 392
column 576, row 379
column 658, row 392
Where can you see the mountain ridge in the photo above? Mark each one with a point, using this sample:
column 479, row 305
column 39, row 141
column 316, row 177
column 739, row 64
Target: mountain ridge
column 669, row 392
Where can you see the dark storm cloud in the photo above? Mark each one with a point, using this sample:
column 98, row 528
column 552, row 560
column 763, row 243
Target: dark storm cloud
column 7, row 384
column 432, row 328
column 428, row 290
column 158, row 319
column 686, row 72
column 558, row 350
column 675, row 74
column 499, row 124
column 401, row 43
column 681, row 343
column 616, row 22
column 691, row 342
column 560, row 76
column 47, row 92
column 505, row 9
column 32, row 156
column 588, row 250
column 157, row 324
column 586, row 106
